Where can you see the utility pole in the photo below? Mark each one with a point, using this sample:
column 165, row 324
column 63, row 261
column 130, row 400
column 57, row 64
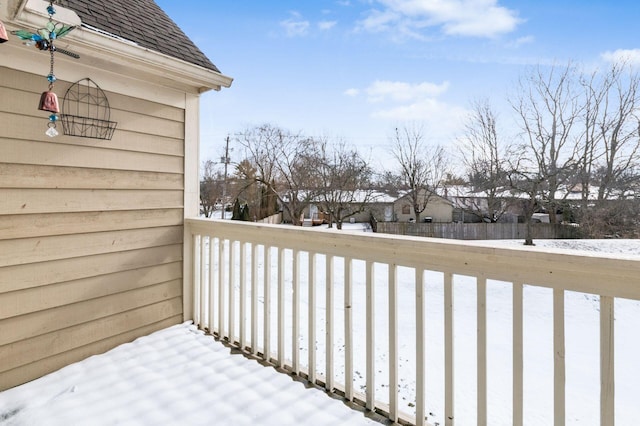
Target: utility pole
column 226, row 161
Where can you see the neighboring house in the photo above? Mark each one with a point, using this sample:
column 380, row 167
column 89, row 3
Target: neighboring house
column 365, row 204
column 438, row 209
column 381, row 207
column 473, row 206
column 91, row 234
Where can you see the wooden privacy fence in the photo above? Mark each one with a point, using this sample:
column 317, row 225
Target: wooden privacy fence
column 332, row 308
column 479, row 231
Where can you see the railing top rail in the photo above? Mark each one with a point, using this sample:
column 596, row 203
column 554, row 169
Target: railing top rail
column 617, row 276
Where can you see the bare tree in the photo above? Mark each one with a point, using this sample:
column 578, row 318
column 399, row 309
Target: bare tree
column 485, row 158
column 525, row 179
column 285, row 163
column 547, row 109
column 422, row 166
column 619, row 128
column 594, row 99
column 611, row 146
column 389, row 182
column 345, row 181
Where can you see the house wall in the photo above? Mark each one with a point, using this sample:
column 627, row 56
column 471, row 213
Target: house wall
column 91, row 231
column 439, row 209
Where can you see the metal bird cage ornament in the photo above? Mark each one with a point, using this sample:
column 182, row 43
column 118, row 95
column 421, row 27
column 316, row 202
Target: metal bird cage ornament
column 44, row 39
column 86, row 112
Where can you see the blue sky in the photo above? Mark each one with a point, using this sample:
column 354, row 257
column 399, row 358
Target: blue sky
column 356, row 69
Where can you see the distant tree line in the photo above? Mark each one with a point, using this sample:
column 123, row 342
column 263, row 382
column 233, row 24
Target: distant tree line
column 578, row 133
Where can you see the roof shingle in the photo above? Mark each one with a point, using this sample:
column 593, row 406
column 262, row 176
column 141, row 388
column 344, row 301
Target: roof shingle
column 140, row 21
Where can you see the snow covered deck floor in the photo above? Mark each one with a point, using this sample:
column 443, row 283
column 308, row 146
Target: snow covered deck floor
column 174, row 376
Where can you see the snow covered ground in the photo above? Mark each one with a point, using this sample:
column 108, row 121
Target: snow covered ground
column 177, row 376
column 617, row 247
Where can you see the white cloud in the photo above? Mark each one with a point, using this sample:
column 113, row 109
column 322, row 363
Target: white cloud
column 326, row 25
column 378, row 21
column 476, row 18
column 295, row 26
column 443, row 120
column 521, row 41
column 630, row 56
column 398, row 91
column 399, row 102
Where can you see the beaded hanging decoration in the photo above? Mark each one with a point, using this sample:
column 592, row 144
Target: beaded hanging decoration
column 43, row 39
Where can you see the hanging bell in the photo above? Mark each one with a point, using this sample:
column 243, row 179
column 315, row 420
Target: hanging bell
column 3, row 33
column 49, row 102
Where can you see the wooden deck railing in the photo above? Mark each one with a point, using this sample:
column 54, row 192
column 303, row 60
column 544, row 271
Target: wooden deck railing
column 325, row 306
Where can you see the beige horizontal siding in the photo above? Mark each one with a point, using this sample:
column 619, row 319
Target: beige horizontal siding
column 16, row 80
column 150, row 133
column 25, row 96
column 37, row 176
column 121, row 140
column 36, row 299
column 33, row 250
column 139, row 123
column 58, row 153
column 91, row 230
column 43, row 366
column 47, row 224
column 20, row 277
column 39, row 322
column 27, row 201
column 29, row 350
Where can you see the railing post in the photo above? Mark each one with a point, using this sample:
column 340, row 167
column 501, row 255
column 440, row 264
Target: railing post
column 420, row 349
column 312, row 317
column 195, row 289
column 281, row 354
column 212, row 300
column 449, row 387
column 188, row 273
column 267, row 304
column 243, row 296
column 232, row 291
column 295, row 332
column 329, row 322
column 518, row 389
column 371, row 341
column 202, row 288
column 254, row 299
column 558, row 358
column 221, row 285
column 393, row 342
column 607, row 361
column 482, row 350
column 348, row 330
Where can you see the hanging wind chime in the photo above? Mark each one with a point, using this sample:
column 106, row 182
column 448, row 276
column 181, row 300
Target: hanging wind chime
column 44, row 39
